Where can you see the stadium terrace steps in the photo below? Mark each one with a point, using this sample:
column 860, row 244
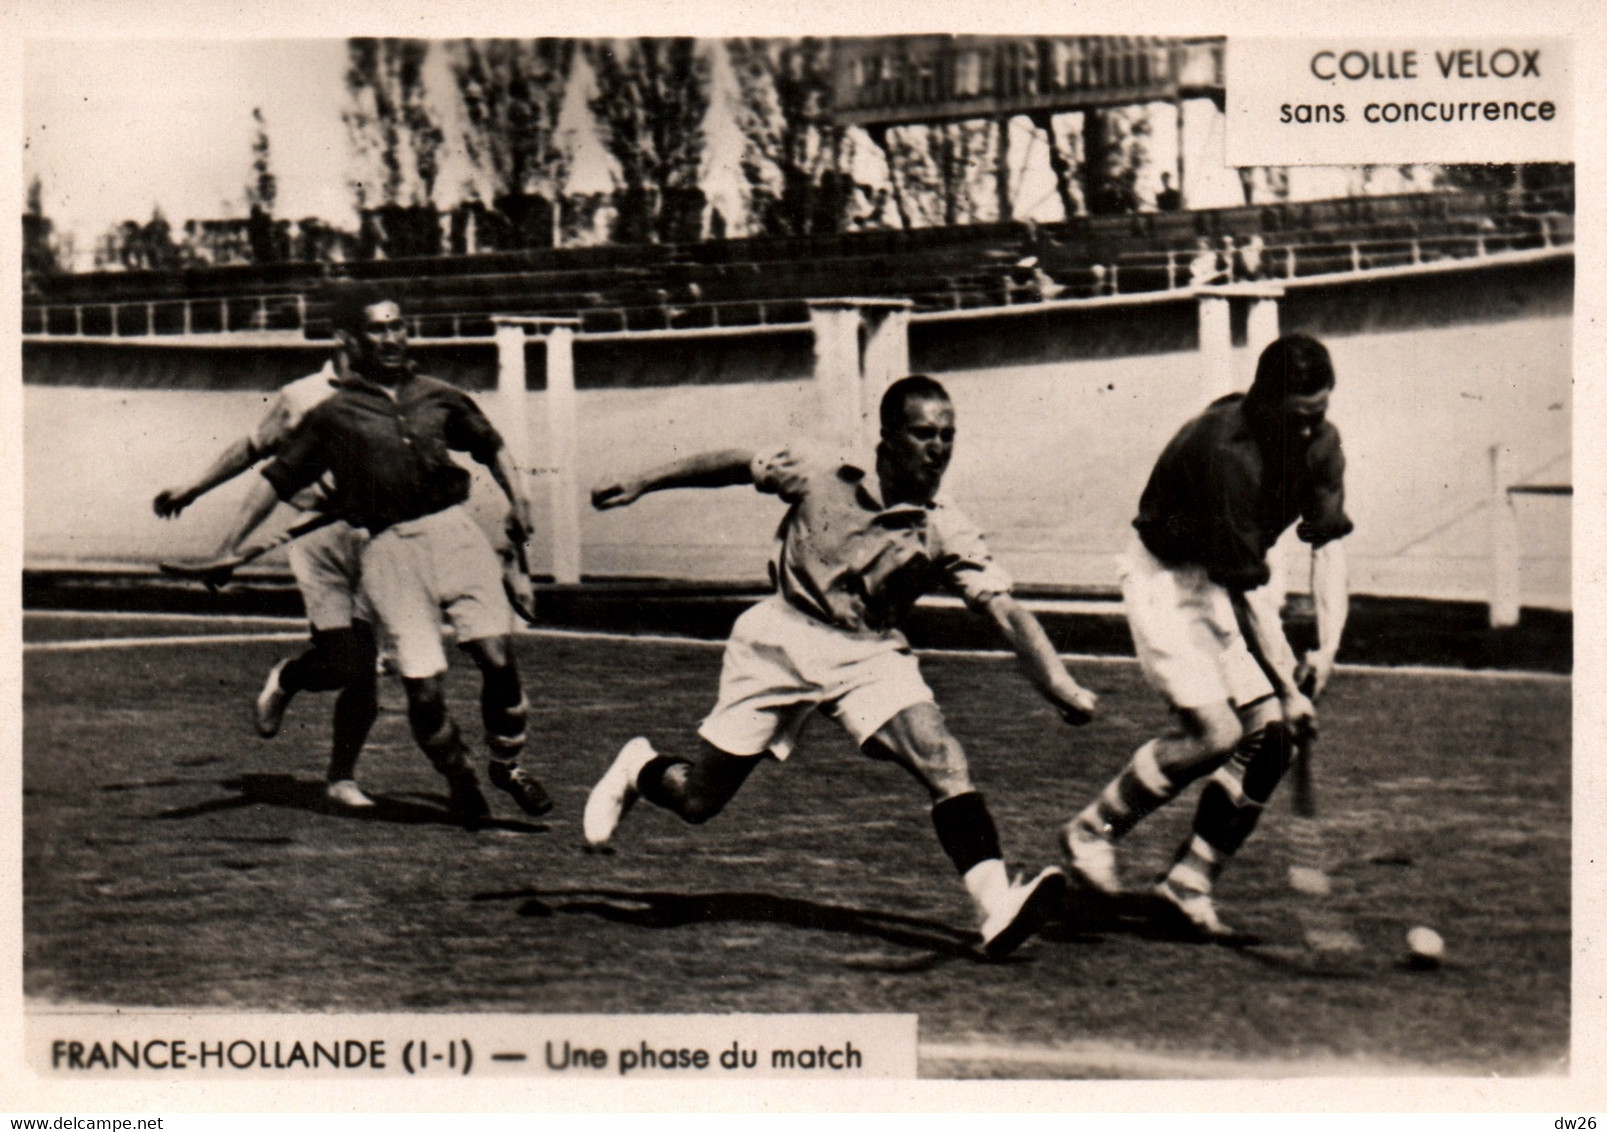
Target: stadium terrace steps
column 946, row 268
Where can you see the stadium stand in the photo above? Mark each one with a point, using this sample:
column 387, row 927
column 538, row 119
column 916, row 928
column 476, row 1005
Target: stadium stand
column 748, row 281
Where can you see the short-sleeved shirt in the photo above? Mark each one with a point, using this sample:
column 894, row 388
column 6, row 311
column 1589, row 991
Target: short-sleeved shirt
column 1218, row 499
column 846, row 558
column 286, row 410
column 389, row 449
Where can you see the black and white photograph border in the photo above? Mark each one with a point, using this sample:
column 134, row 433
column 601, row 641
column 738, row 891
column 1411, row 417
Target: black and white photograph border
column 1413, row 913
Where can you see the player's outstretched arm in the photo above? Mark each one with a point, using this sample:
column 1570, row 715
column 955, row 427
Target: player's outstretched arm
column 234, row 551
column 233, row 460
column 1042, row 665
column 1330, row 594
column 259, row 504
column 723, row 468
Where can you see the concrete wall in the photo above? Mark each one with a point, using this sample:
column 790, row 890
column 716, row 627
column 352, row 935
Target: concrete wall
column 1061, row 415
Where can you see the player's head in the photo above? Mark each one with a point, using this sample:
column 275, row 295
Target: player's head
column 369, row 325
column 917, row 435
column 1293, row 381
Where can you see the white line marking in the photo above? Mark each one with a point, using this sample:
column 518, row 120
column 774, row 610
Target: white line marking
column 149, row 642
column 203, row 618
column 693, row 642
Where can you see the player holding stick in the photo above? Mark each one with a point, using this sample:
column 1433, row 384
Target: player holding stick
column 387, row 437
column 325, row 562
column 862, row 539
column 1223, row 491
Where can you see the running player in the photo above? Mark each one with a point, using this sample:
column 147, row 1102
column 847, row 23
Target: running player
column 863, row 538
column 1223, row 491
column 386, row 436
column 325, row 563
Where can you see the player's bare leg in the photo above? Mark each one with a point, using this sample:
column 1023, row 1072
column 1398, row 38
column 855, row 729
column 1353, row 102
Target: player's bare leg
column 694, row 789
column 503, row 710
column 919, row 740
column 1159, row 771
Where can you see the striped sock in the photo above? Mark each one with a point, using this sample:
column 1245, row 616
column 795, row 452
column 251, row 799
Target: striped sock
column 1226, row 817
column 1138, row 791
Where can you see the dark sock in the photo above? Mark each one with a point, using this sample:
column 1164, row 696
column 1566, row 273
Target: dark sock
column 966, row 831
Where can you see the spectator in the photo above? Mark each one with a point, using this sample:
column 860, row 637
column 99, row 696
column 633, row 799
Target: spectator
column 1206, row 267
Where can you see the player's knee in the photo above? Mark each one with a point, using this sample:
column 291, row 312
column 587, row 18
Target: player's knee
column 426, row 708
column 709, row 783
column 695, row 808
column 941, row 762
column 1270, row 750
column 357, row 656
column 492, row 654
column 1217, row 731
column 920, row 739
column 950, row 778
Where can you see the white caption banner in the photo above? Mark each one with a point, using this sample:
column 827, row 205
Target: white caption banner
column 1400, row 101
column 703, row 1047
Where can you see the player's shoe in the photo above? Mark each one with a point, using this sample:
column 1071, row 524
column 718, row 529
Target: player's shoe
column 1196, row 912
column 520, row 785
column 1092, row 855
column 1025, row 908
column 463, row 795
column 615, row 793
column 346, row 794
column 271, row 702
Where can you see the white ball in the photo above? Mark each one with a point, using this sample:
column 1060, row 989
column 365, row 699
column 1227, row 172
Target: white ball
column 1425, row 944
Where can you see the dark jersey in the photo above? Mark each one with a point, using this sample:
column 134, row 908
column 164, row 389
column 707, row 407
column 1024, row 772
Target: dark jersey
column 1219, row 498
column 390, row 455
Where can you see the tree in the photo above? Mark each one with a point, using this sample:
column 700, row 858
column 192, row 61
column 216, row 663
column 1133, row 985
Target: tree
column 794, row 163
column 261, row 194
column 1113, row 151
column 391, row 122
column 939, row 173
column 511, row 92
column 264, row 187
column 652, row 95
column 39, row 251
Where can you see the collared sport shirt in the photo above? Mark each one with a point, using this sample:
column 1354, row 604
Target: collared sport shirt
column 285, row 413
column 850, row 561
column 1217, row 499
column 389, row 449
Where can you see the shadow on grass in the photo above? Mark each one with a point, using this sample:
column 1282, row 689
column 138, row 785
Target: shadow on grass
column 1091, row 914
column 295, row 794
column 678, row 909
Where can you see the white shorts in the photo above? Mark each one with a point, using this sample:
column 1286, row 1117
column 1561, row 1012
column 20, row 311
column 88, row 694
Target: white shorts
column 1186, row 633
column 418, row 570
column 781, row 664
column 328, row 565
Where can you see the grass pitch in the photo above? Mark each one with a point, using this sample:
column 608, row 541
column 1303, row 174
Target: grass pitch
column 173, row 859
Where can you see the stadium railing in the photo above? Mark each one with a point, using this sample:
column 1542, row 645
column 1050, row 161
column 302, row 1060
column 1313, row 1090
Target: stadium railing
column 955, row 268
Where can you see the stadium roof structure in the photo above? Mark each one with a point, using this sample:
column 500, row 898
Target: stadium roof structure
column 891, row 80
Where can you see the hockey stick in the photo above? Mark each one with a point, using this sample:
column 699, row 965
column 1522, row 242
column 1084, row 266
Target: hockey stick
column 1323, row 926
column 516, row 583
column 1303, row 791
column 215, row 573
